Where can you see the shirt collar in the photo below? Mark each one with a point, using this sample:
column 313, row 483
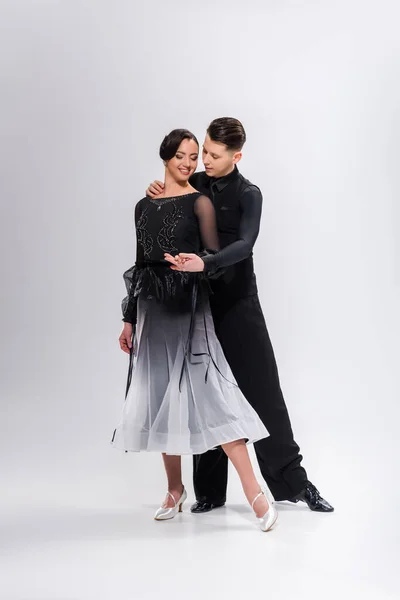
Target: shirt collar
column 221, row 182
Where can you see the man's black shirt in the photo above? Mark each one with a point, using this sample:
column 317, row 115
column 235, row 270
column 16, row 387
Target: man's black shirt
column 238, row 206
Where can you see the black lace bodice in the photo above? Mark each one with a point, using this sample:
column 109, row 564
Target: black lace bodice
column 181, row 224
column 178, row 224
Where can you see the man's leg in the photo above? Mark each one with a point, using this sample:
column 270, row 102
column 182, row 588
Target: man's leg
column 210, row 479
column 244, row 338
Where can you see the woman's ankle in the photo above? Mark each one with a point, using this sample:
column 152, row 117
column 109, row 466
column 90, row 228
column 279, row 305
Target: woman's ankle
column 251, row 490
column 260, row 505
column 176, row 490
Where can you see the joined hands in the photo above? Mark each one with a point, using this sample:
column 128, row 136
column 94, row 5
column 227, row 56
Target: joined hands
column 189, row 263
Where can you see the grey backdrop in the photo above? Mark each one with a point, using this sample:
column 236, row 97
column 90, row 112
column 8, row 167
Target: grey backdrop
column 88, row 89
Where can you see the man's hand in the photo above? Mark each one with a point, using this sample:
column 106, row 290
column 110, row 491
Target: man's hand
column 155, row 189
column 125, row 339
column 190, row 263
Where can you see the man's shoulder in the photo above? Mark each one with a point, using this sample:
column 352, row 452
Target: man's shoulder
column 198, row 179
column 247, row 185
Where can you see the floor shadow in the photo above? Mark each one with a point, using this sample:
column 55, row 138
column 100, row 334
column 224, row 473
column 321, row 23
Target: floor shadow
column 77, row 524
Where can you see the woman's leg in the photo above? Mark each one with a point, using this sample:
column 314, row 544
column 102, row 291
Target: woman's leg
column 237, row 452
column 174, row 476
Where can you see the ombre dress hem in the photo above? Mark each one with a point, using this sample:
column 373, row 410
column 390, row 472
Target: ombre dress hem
column 182, row 398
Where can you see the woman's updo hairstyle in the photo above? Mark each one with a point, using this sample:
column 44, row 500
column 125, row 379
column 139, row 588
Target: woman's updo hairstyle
column 173, row 140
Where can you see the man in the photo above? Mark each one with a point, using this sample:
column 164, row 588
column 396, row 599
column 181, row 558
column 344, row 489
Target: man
column 240, row 325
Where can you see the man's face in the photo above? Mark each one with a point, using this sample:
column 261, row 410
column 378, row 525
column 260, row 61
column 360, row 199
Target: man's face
column 218, row 160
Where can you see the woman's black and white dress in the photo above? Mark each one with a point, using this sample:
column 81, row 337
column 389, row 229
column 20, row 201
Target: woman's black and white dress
column 182, row 396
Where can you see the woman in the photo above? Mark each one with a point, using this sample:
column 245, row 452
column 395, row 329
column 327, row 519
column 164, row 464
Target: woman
column 181, row 395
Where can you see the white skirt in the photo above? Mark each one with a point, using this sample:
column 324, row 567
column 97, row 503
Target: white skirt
column 181, row 402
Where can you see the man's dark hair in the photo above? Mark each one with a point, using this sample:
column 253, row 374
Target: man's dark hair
column 228, row 131
column 173, row 140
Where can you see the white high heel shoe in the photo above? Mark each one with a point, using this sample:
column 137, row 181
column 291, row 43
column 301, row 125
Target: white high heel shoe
column 163, row 514
column 269, row 519
column 268, row 495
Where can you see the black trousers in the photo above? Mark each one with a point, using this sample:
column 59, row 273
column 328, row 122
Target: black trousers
column 244, row 338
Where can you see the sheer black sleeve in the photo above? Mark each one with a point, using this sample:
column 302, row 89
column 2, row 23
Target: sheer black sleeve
column 250, row 206
column 129, row 303
column 205, row 213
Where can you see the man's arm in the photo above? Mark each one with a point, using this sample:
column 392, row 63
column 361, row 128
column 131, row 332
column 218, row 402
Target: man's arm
column 249, row 227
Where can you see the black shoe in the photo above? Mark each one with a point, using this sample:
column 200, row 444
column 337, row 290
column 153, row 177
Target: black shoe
column 203, row 507
column 313, row 498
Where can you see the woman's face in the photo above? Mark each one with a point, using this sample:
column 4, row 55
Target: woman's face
column 184, row 163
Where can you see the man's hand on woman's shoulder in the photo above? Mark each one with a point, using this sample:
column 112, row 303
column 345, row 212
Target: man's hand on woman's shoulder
column 155, row 189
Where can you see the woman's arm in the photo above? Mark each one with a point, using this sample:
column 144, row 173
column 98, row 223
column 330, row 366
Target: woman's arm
column 205, row 213
column 129, row 305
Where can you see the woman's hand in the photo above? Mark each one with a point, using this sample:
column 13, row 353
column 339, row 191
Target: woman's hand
column 155, row 189
column 125, row 339
column 176, row 261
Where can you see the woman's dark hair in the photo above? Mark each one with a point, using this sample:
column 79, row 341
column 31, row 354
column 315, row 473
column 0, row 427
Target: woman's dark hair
column 228, row 131
column 173, row 140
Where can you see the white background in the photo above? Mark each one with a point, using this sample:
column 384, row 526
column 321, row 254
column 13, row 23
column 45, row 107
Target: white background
column 88, row 90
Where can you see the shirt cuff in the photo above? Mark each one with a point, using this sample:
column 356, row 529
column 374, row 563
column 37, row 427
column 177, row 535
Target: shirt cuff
column 210, row 264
